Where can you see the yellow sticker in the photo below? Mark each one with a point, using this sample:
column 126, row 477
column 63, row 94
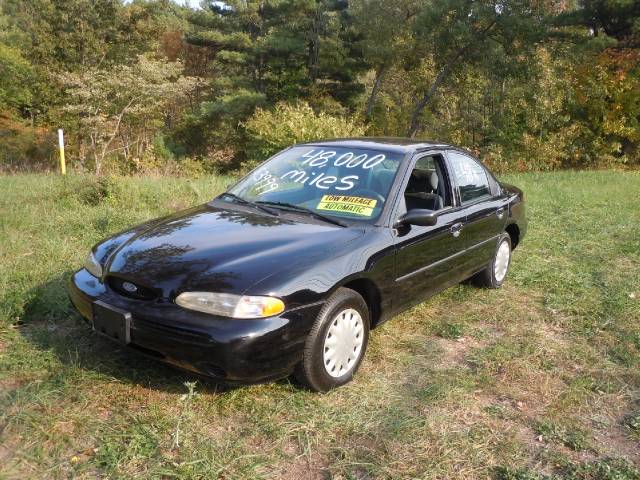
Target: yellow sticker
column 343, row 203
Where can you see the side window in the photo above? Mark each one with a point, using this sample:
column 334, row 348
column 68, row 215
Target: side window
column 427, row 185
column 470, row 176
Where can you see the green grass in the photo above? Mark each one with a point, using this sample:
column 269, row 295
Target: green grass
column 537, row 380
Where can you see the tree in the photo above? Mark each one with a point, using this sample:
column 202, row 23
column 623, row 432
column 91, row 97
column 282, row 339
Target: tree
column 68, row 34
column 529, row 84
column 16, row 80
column 616, row 19
column 119, row 109
column 457, row 33
column 386, row 29
column 605, row 74
column 262, row 52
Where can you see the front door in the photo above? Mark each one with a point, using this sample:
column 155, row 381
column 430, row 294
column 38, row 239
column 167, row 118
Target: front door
column 426, row 257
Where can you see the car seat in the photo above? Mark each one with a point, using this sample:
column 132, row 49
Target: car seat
column 422, row 191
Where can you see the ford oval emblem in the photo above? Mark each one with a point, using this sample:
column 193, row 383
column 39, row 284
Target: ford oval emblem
column 129, row 287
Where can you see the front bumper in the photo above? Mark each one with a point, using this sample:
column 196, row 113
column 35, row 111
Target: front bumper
column 224, row 348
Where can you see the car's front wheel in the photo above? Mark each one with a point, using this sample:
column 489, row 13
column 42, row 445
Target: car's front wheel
column 337, row 342
column 493, row 276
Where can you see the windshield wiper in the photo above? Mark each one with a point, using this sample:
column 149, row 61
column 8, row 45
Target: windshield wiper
column 308, row 211
column 242, row 201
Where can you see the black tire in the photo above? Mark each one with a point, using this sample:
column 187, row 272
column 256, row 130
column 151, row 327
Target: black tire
column 311, row 371
column 487, row 277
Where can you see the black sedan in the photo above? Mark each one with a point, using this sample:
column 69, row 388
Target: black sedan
column 288, row 270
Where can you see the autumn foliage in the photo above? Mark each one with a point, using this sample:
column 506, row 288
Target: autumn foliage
column 150, row 85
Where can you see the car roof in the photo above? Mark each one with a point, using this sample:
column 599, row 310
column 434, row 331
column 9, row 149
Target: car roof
column 388, row 144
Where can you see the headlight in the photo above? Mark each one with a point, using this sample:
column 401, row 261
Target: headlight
column 229, row 305
column 92, row 265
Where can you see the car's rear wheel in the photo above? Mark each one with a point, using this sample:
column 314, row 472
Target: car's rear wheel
column 494, row 274
column 337, row 342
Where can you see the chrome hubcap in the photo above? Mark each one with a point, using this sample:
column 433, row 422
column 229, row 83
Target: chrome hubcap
column 502, row 261
column 343, row 343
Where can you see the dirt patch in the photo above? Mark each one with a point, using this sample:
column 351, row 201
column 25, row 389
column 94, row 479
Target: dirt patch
column 299, row 465
column 614, row 440
column 232, row 425
column 5, row 455
column 9, row 455
column 615, row 443
column 535, row 445
column 8, row 385
column 454, row 352
column 307, row 467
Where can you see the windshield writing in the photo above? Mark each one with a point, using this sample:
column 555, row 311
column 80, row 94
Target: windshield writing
column 336, row 181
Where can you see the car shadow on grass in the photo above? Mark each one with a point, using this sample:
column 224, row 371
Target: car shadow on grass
column 50, row 323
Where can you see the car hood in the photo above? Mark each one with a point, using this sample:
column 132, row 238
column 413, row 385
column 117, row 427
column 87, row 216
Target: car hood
column 218, row 249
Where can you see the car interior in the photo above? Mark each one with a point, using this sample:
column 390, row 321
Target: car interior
column 426, row 188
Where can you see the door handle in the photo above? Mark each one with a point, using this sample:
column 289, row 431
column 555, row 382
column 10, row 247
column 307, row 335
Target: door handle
column 500, row 212
column 455, row 229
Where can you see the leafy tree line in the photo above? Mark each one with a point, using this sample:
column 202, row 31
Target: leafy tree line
column 150, row 85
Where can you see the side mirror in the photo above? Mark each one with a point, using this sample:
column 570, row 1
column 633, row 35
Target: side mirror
column 418, row 216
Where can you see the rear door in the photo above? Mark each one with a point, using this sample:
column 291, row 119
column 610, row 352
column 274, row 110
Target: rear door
column 485, row 214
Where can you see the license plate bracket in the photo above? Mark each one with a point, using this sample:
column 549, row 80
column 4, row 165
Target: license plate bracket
column 112, row 322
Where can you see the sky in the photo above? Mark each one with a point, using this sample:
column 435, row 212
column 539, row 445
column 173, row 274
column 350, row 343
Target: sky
column 192, row 3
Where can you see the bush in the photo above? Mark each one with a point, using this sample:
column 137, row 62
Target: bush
column 93, row 191
column 23, row 147
column 272, row 130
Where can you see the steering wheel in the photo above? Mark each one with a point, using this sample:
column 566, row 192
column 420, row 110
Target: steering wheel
column 366, row 192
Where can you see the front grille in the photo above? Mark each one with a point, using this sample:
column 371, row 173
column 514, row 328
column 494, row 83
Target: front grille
column 173, row 331
column 142, row 292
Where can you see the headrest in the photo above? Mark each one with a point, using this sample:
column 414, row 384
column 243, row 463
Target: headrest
column 433, row 179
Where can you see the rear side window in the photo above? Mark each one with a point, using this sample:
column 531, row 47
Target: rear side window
column 470, row 176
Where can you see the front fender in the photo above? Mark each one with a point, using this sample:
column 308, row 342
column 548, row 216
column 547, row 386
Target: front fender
column 315, row 278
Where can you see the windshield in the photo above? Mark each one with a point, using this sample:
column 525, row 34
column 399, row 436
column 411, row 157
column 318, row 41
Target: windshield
column 337, row 181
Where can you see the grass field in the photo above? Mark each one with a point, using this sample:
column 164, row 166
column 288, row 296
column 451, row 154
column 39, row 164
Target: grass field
column 540, row 379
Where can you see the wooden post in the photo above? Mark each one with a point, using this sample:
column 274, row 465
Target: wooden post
column 63, row 166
